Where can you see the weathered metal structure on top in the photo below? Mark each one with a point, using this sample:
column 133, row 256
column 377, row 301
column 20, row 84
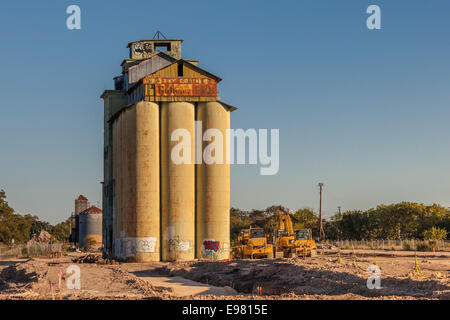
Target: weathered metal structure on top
column 153, row 208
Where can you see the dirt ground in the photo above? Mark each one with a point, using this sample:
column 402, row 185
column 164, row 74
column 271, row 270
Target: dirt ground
column 327, row 276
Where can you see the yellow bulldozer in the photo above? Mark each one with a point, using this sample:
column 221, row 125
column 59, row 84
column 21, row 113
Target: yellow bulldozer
column 288, row 243
column 253, row 244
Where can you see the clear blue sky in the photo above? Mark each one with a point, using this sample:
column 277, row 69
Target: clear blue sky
column 367, row 112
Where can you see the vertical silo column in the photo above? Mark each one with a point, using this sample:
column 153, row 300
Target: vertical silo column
column 213, row 185
column 116, row 183
column 114, row 100
column 141, row 215
column 121, row 184
column 177, row 182
column 128, row 183
column 118, row 174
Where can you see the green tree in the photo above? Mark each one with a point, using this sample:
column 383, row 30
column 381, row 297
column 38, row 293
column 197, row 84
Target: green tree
column 305, row 219
column 61, row 231
column 435, row 234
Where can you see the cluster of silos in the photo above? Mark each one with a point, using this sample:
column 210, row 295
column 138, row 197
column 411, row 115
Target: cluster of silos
column 161, row 208
column 166, row 210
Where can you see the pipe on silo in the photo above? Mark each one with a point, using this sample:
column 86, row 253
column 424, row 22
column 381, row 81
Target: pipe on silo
column 213, row 187
column 177, row 184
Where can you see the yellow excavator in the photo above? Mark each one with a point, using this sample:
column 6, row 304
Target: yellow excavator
column 288, row 242
column 253, row 244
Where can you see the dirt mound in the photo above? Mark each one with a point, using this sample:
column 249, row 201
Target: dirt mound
column 321, row 277
column 42, row 279
column 24, row 272
column 94, row 258
column 300, row 277
column 43, row 237
column 141, row 285
column 18, row 280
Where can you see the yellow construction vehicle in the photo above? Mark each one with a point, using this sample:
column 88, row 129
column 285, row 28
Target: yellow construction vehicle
column 284, row 235
column 304, row 245
column 289, row 242
column 252, row 244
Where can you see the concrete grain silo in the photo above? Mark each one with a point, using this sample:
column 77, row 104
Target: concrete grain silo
column 136, row 173
column 158, row 208
column 213, row 187
column 177, row 183
column 90, row 228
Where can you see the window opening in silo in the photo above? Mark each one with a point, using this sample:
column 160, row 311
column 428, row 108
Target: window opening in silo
column 180, row 69
column 162, row 47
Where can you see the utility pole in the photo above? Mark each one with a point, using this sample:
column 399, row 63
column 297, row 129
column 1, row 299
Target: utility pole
column 339, row 210
column 321, row 233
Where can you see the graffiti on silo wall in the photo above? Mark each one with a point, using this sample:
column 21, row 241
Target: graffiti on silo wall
column 214, row 250
column 129, row 247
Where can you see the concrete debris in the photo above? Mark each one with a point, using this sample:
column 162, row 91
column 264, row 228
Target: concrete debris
column 94, row 258
column 43, row 238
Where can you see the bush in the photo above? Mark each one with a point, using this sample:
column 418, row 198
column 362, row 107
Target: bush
column 407, row 246
column 373, row 245
column 424, row 246
column 24, row 252
column 435, row 234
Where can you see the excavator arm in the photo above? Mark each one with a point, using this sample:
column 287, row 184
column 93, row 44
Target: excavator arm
column 285, row 222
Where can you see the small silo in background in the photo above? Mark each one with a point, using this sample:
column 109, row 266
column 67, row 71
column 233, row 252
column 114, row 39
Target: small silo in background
column 81, row 204
column 90, row 228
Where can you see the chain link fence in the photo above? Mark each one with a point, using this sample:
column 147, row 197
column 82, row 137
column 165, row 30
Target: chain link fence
column 29, row 250
column 409, row 244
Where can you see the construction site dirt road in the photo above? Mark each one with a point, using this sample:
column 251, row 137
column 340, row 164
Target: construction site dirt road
column 329, row 275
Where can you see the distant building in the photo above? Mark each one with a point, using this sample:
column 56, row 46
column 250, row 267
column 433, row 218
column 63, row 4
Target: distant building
column 81, row 204
column 85, row 223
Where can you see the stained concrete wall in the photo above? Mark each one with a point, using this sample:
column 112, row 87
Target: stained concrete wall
column 136, row 176
column 114, row 101
column 213, row 184
column 177, row 184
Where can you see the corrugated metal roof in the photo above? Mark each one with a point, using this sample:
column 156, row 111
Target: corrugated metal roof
column 228, row 106
column 92, row 210
column 81, row 197
column 157, row 61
